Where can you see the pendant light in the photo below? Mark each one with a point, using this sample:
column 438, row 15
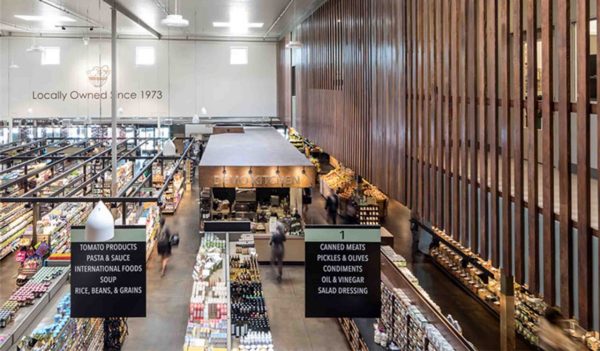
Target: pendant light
column 12, row 65
column 169, row 148
column 293, row 44
column 175, row 20
column 100, row 225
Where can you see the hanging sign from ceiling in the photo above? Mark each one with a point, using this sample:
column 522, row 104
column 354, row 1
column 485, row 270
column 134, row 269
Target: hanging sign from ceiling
column 343, row 271
column 108, row 278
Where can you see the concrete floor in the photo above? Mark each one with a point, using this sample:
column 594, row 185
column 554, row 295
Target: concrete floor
column 168, row 298
column 285, row 303
column 8, row 276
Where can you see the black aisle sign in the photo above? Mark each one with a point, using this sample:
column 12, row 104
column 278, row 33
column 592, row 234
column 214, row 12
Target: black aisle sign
column 343, row 271
column 108, row 279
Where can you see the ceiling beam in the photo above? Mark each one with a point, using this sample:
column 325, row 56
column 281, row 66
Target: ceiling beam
column 72, row 13
column 132, row 16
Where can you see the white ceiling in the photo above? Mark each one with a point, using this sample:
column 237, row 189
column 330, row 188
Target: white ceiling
column 200, row 13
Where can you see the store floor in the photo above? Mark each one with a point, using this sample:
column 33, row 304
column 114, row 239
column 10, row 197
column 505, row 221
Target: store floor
column 9, row 268
column 285, row 303
column 168, row 298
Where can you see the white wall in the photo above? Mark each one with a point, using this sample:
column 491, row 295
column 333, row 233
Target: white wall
column 190, row 75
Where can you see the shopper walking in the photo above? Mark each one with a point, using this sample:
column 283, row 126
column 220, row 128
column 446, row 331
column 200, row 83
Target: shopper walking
column 277, row 249
column 331, row 205
column 163, row 246
column 552, row 334
column 306, row 200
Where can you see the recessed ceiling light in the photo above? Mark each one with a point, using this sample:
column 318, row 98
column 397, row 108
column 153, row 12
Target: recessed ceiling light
column 53, row 19
column 238, row 21
column 228, row 24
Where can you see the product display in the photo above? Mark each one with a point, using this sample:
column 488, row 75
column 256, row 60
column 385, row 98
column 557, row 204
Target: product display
column 55, row 227
column 458, row 261
column 65, row 333
column 15, row 219
column 345, row 181
column 174, row 193
column 26, row 295
column 249, row 319
column 410, row 320
column 207, row 324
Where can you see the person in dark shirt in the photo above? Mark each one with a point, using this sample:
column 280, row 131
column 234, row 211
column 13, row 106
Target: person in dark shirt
column 277, row 248
column 331, row 205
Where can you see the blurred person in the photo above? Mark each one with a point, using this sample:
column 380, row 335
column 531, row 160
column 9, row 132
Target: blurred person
column 552, row 334
column 331, row 205
column 277, row 248
column 163, row 246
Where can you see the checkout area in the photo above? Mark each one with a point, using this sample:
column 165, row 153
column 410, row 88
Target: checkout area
column 254, row 174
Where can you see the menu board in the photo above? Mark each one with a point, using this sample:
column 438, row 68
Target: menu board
column 343, row 271
column 108, row 278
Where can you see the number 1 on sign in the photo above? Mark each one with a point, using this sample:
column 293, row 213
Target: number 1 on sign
column 342, row 232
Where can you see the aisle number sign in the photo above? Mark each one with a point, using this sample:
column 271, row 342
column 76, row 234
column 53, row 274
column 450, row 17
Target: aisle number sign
column 343, row 271
column 108, row 278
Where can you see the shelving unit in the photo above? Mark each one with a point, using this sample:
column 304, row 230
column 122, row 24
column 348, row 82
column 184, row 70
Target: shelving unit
column 368, row 214
column 13, row 226
column 19, row 312
column 481, row 280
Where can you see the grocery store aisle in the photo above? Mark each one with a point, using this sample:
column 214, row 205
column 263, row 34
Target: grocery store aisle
column 168, row 297
column 285, row 303
column 8, row 274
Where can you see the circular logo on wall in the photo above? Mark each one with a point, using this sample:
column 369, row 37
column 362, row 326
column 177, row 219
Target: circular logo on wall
column 98, row 75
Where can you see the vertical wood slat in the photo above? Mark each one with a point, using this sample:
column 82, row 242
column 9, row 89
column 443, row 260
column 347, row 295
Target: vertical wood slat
column 583, row 168
column 532, row 102
column 517, row 90
column 439, row 119
column 564, row 141
column 493, row 129
column 447, row 121
column 472, row 118
column 413, row 111
column 455, row 123
column 425, row 103
column 462, row 112
column 482, row 116
column 504, row 133
column 548, row 145
column 421, row 105
column 432, row 109
column 434, row 129
column 402, row 40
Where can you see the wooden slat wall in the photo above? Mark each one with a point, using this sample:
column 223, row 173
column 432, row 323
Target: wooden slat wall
column 436, row 102
column 284, row 82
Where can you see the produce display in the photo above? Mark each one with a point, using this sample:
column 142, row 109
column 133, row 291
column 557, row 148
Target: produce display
column 528, row 307
column 26, row 295
column 340, row 178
